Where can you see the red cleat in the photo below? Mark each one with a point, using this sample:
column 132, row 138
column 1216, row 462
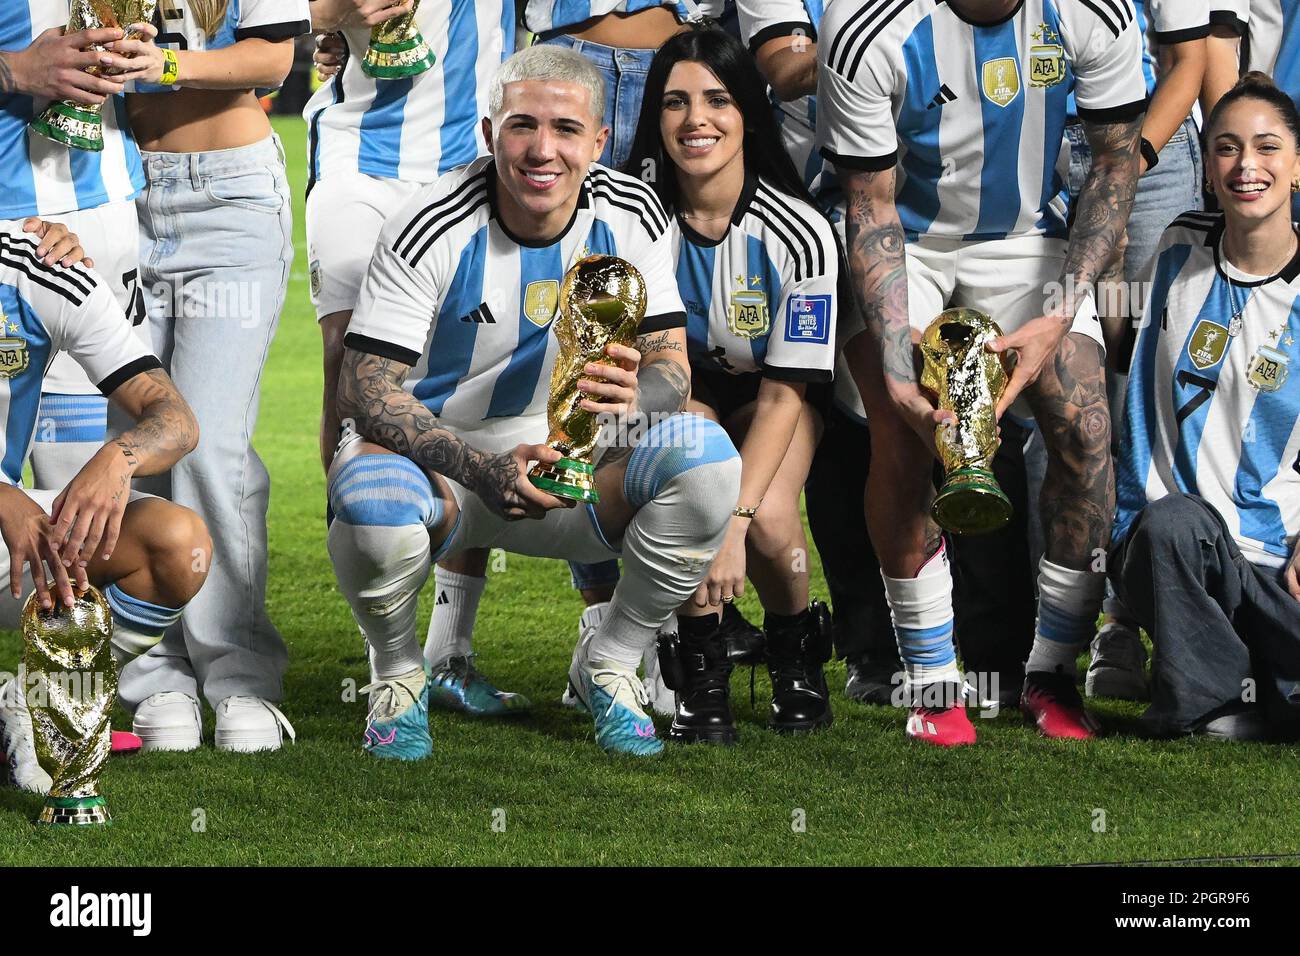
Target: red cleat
column 1053, row 703
column 125, row 743
column 942, row 727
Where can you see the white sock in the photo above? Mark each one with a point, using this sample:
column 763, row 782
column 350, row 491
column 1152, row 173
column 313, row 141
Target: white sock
column 923, row 622
column 1068, row 605
column 455, row 608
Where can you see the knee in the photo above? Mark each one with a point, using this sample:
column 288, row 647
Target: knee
column 180, row 552
column 773, row 529
column 384, row 491
column 1171, row 521
column 692, row 461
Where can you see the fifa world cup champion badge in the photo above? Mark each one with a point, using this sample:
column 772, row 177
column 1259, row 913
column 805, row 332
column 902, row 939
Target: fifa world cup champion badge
column 72, row 124
column 71, row 685
column 397, row 49
column 968, row 380
column 602, row 302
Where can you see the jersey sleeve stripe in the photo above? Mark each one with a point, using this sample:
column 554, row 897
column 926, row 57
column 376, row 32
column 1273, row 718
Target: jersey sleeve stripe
column 274, row 31
column 864, row 164
column 852, row 71
column 364, row 343
column 662, row 322
column 781, row 208
column 604, row 192
column 852, row 28
column 448, row 222
column 635, row 190
column 42, row 279
column 423, row 220
column 1228, row 18
column 1119, row 21
column 1183, row 36
column 75, row 276
column 1115, row 114
column 130, row 370
column 791, row 28
column 783, row 373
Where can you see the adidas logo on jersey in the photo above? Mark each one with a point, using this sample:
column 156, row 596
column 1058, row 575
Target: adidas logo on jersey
column 482, row 315
column 944, row 95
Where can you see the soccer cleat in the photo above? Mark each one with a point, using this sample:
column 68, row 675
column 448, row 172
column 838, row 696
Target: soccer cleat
column 617, row 699
column 397, row 726
column 941, row 726
column 16, row 741
column 457, row 685
column 1118, row 666
column 575, row 693
column 1053, row 703
column 168, row 721
column 250, row 724
column 123, row 742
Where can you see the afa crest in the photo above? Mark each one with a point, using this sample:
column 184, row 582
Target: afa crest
column 748, row 316
column 1046, row 65
column 1001, row 80
column 14, row 356
column 541, row 299
column 1208, row 342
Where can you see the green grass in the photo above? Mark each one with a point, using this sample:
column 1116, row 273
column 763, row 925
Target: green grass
column 867, row 795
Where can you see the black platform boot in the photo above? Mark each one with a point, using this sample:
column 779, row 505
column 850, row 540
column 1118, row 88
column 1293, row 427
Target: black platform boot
column 797, row 647
column 694, row 663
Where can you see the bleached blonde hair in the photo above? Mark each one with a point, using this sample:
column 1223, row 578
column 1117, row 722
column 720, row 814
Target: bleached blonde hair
column 548, row 62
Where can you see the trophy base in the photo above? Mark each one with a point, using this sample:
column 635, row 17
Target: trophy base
column 393, row 61
column 74, row 812
column 72, row 126
column 567, row 478
column 971, row 502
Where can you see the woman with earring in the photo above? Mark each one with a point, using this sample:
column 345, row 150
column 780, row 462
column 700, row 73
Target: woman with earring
column 1205, row 548
column 757, row 268
column 216, row 247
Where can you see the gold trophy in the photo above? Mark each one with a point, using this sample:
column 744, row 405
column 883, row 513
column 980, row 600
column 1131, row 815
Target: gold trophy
column 967, row 380
column 73, row 124
column 69, row 668
column 602, row 300
column 397, row 49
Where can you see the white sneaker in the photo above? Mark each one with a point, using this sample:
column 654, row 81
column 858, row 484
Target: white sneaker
column 248, row 724
column 575, row 694
column 170, row 720
column 1118, row 666
column 16, row 741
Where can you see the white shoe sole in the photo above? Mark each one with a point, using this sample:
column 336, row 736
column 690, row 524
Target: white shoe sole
column 242, row 742
column 181, row 740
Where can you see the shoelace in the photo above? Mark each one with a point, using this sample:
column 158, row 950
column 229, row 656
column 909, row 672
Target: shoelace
column 382, row 691
column 617, row 678
column 275, row 712
column 460, row 666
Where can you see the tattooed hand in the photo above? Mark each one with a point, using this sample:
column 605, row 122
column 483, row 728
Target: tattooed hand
column 503, row 483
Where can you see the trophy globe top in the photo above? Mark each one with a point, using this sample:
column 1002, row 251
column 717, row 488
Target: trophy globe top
column 70, row 636
column 607, row 291
column 949, row 341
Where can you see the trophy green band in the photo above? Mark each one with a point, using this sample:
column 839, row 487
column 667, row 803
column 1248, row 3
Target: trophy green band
column 70, row 680
column 397, row 49
column 968, row 380
column 74, row 124
column 602, row 300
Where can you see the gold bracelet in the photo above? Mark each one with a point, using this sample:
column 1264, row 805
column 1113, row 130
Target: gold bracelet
column 171, row 68
column 746, row 512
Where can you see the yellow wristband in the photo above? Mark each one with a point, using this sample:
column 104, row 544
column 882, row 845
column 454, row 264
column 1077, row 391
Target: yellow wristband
column 171, row 68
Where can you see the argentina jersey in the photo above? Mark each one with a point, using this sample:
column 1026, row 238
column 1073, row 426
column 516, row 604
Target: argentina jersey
column 1213, row 402
column 44, row 310
column 469, row 308
column 1273, row 41
column 764, row 20
column 763, row 297
column 416, row 128
column 544, row 16
column 972, row 116
column 44, row 178
column 180, row 28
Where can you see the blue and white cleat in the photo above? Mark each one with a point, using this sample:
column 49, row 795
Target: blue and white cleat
column 397, row 726
column 617, row 699
column 457, row 685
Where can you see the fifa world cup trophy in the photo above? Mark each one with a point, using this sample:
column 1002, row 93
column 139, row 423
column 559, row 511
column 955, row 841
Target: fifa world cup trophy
column 397, row 49
column 74, row 124
column 601, row 302
column 967, row 380
column 71, row 684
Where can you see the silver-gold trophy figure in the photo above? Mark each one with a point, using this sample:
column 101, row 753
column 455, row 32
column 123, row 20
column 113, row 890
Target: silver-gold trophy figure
column 967, row 380
column 71, row 682
column 397, row 49
column 75, row 124
column 602, row 300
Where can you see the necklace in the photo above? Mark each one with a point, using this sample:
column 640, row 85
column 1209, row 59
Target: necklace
column 684, row 215
column 1236, row 324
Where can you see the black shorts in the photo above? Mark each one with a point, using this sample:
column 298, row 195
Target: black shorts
column 725, row 392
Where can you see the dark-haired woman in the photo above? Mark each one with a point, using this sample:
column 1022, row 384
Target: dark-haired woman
column 1204, row 550
column 757, row 269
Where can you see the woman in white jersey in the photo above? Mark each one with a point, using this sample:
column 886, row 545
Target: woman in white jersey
column 757, row 268
column 216, row 247
column 1208, row 481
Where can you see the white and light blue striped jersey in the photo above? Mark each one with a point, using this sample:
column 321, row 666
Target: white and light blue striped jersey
column 45, row 309
column 417, row 128
column 545, row 16
column 178, row 29
column 764, row 20
column 973, row 116
column 1164, row 23
column 44, row 178
column 763, row 297
column 1272, row 39
column 1210, row 412
column 453, row 295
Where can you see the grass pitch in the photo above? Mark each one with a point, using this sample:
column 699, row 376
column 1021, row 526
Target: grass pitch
column 537, row 790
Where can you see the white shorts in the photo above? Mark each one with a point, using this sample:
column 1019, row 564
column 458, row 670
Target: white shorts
column 110, row 234
column 345, row 214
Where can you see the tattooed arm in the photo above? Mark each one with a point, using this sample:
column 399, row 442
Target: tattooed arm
column 664, row 379
column 1101, row 216
column 88, row 514
column 371, row 395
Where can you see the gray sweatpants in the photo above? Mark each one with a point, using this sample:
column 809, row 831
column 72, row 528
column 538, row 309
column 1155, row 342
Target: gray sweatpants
column 1221, row 626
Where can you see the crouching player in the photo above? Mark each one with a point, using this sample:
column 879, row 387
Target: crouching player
column 444, row 381
column 149, row 556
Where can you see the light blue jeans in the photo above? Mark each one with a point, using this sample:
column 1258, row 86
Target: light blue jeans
column 216, row 246
column 624, row 72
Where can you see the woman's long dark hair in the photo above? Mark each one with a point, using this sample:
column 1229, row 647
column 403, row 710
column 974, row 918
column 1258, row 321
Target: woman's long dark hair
column 730, row 62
